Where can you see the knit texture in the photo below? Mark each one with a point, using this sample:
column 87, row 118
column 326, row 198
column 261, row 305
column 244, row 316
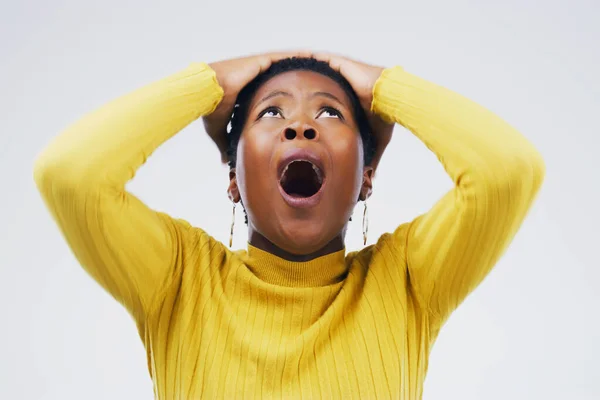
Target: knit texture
column 248, row 324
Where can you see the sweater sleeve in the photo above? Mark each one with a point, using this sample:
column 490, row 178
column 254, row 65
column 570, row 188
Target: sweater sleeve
column 131, row 250
column 496, row 174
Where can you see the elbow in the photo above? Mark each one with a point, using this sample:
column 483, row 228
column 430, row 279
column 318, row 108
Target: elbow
column 46, row 172
column 538, row 171
column 527, row 170
column 513, row 179
column 51, row 172
column 519, row 178
column 42, row 171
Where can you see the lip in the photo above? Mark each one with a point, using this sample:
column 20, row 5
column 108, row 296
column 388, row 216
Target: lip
column 299, row 154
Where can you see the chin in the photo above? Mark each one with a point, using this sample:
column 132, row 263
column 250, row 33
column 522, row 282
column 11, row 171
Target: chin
column 299, row 240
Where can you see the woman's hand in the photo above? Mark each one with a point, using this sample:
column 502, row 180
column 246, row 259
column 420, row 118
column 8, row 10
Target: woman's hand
column 362, row 77
column 233, row 75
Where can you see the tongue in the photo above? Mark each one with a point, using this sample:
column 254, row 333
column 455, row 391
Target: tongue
column 299, row 189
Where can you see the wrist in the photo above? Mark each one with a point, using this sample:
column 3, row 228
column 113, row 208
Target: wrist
column 220, row 75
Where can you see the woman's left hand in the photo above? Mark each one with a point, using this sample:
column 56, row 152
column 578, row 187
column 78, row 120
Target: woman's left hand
column 362, row 77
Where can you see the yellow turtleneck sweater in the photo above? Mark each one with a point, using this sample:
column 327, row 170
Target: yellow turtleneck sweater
column 247, row 324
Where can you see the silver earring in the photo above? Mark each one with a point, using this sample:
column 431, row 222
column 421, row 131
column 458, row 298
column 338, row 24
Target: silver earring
column 232, row 225
column 365, row 224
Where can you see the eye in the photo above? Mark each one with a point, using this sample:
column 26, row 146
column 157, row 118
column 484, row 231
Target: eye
column 330, row 112
column 270, row 112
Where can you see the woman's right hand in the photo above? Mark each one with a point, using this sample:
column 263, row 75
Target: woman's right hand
column 232, row 76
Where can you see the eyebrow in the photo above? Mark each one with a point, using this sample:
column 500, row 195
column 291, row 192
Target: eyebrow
column 274, row 94
column 327, row 95
column 277, row 93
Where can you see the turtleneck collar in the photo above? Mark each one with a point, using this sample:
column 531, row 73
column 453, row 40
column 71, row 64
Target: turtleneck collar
column 321, row 271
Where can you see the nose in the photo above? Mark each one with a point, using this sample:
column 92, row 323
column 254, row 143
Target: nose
column 299, row 130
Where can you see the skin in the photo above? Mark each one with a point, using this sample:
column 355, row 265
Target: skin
column 301, row 97
column 298, row 234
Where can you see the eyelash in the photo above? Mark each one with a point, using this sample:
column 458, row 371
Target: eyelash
column 333, row 111
column 269, row 109
column 278, row 110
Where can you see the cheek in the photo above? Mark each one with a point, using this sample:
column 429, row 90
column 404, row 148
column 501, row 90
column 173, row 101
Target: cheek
column 255, row 152
column 347, row 154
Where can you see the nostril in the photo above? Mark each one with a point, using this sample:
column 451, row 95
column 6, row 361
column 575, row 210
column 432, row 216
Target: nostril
column 290, row 134
column 310, row 133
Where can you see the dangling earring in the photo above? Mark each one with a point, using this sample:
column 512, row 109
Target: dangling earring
column 365, row 224
column 232, row 225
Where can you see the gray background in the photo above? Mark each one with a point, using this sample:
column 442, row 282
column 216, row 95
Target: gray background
column 530, row 331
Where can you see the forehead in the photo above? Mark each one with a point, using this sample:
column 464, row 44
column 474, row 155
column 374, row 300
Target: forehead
column 302, row 82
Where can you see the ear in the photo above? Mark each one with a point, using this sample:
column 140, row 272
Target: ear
column 233, row 191
column 367, row 185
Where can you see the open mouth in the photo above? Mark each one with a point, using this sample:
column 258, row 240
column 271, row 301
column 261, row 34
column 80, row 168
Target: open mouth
column 301, row 178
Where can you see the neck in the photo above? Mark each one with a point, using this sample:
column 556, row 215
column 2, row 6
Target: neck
column 259, row 241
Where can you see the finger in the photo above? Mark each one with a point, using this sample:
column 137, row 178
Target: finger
column 296, row 53
column 266, row 60
column 335, row 61
column 278, row 56
column 325, row 56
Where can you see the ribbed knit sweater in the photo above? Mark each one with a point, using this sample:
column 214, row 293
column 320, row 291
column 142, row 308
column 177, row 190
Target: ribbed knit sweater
column 248, row 324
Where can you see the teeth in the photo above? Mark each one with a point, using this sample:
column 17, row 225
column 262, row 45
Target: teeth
column 314, row 167
column 318, row 172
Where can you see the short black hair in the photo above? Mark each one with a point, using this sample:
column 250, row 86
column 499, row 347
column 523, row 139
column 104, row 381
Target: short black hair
column 240, row 113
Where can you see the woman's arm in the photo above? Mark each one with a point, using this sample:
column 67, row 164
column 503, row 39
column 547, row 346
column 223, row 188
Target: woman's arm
column 497, row 174
column 129, row 249
column 132, row 251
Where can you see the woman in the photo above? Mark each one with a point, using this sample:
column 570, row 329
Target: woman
column 293, row 316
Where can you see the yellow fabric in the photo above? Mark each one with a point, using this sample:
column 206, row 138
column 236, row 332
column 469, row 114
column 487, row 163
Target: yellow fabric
column 247, row 324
